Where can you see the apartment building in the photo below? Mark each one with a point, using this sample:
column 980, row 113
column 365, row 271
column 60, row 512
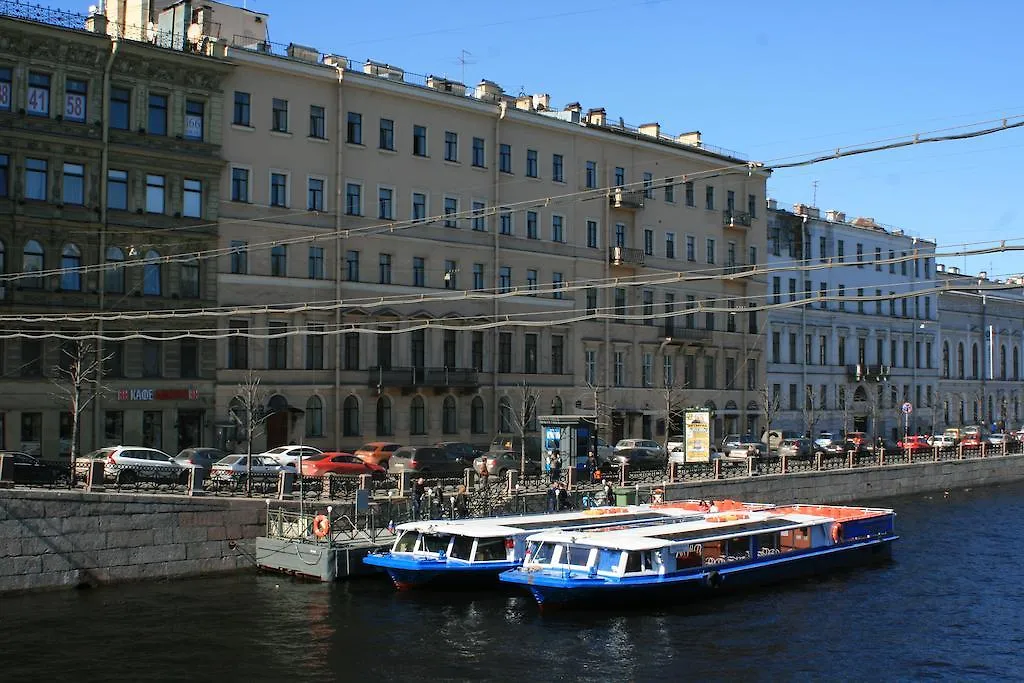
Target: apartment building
column 407, row 253
column 853, row 330
column 109, row 181
column 981, row 350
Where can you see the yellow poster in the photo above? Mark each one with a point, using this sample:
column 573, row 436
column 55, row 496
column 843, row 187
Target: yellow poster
column 698, row 436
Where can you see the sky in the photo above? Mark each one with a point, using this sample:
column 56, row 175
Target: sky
column 774, row 80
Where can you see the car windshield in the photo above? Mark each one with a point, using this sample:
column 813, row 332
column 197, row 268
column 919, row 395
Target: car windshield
column 231, row 460
column 278, row 450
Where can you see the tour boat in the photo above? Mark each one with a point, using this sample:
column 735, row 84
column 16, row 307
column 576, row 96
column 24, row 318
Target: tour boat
column 721, row 550
column 467, row 550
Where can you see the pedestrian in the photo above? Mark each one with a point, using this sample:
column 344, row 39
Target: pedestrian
column 561, row 497
column 419, row 489
column 460, row 503
column 591, row 465
column 608, row 493
column 552, row 497
column 556, row 465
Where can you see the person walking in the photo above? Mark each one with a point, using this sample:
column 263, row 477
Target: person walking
column 608, row 493
column 419, row 489
column 591, row 465
column 556, row 465
column 561, row 497
column 460, row 503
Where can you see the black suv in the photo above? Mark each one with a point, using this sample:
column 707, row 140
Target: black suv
column 426, row 460
column 459, row 450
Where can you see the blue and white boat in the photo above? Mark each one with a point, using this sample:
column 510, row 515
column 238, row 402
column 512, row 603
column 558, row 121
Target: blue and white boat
column 714, row 552
column 472, row 550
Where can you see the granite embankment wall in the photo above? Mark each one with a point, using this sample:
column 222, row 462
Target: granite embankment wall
column 50, row 538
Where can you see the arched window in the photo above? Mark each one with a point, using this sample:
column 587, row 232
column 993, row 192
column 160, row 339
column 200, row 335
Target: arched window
column 3, row 258
column 975, row 365
column 945, row 360
column 151, row 280
column 314, row 417
column 113, row 275
column 1002, row 362
column 960, row 360
column 504, row 416
column 70, row 263
column 556, row 406
column 189, row 279
column 476, row 416
column 417, row 416
column 1016, row 363
column 383, row 416
column 32, row 262
column 350, row 417
column 449, row 423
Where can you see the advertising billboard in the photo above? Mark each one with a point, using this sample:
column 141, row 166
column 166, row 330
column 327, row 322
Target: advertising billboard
column 698, row 436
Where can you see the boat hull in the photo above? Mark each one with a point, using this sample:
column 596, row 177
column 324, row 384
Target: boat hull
column 410, row 573
column 578, row 590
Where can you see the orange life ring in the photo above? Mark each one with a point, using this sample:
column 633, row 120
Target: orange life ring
column 837, row 532
column 321, row 526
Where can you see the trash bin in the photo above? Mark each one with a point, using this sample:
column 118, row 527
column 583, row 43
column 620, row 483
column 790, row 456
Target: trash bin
column 625, row 495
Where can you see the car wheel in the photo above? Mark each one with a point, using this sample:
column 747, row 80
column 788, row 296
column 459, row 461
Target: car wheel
column 503, row 472
column 126, row 477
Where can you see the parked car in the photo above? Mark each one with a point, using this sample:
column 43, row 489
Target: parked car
column 858, row 438
column 1000, row 438
column 131, row 464
column 232, row 468
column 340, row 463
column 944, row 442
column 652, row 447
column 203, row 458
column 639, row 458
column 824, row 439
column 729, row 441
column 972, row 440
column 377, row 452
column 885, row 443
column 604, row 452
column 748, row 446
column 798, row 448
column 499, row 462
column 426, row 460
column 460, row 450
column 914, row 444
column 289, row 455
column 28, row 469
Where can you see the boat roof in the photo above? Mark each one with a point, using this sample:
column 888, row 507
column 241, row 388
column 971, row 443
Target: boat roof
column 504, row 526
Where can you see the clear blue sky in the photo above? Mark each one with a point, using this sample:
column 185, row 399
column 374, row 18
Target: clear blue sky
column 770, row 79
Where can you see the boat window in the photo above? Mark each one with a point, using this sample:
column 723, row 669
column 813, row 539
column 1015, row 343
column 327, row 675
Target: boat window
column 406, row 543
column 637, row 561
column 691, row 557
column 433, row 543
column 490, row 549
column 608, row 560
column 462, row 547
column 794, row 539
column 737, row 548
column 576, row 555
column 544, row 553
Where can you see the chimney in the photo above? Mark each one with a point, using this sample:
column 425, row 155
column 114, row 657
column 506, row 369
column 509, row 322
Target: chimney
column 835, row 216
column 574, row 107
column 542, row 102
column 96, row 21
column 488, row 91
column 773, row 204
column 650, row 129
column 955, row 270
column 940, row 267
column 524, row 102
column 597, row 117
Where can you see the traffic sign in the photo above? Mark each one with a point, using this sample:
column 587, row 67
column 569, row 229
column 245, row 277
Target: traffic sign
column 907, row 408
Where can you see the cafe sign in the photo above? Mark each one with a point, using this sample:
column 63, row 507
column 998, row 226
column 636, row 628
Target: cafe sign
column 186, row 394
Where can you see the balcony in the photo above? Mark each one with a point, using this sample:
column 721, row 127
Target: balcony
column 736, row 219
column 626, row 199
column 412, row 378
column 624, row 256
column 676, row 335
column 862, row 372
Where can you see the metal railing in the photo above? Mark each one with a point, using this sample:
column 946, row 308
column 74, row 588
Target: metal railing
column 43, row 15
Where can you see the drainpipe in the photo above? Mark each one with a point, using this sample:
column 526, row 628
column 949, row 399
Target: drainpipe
column 603, row 299
column 97, row 406
column 338, row 255
column 495, row 230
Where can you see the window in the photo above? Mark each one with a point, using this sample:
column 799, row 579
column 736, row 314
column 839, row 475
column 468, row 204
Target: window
column 419, row 141
column 385, row 203
column 505, row 279
column 476, row 351
column 35, row 179
column 278, row 189
column 668, row 371
column 192, row 198
column 316, row 263
column 451, row 270
column 531, row 280
column 154, row 193
column 451, row 146
column 317, row 122
column 530, row 354
column 619, row 369
column 860, row 255
column 648, row 185
column 419, row 206
column 478, row 276
column 648, row 242
column 903, row 263
column 74, row 184
column 242, row 112
column 557, row 168
column 5, row 88
column 449, row 423
column 188, row 351
column 75, row 99
column 239, row 184
column 892, row 262
column 354, row 128
column 620, row 301
column 354, row 199
column 479, row 219
column 531, row 163
column 151, row 357
column 688, row 192
column 314, row 416
column 711, row 250
column 476, row 416
column 157, row 117
column 591, row 300
column 531, row 225
column 647, row 297
column 315, row 346
column 709, row 197
column 70, row 264
column 120, row 108
column 387, row 134
column 592, row 234
column 279, row 261
column 277, row 346
column 860, row 299
column 384, row 269
column 451, row 209
column 279, row 115
column 840, row 251
column 194, row 119
column 419, row 272
column 878, row 259
column 38, row 103
column 5, row 175
column 188, row 275
column 620, row 176
column 352, row 266
column 478, row 152
column 113, row 273
column 590, row 366
column 556, row 285
column 557, row 229
column 239, row 257
column 32, row 262
column 557, row 354
column 590, row 176
column 752, row 205
column 315, row 194
column 505, row 352
column 383, row 416
column 505, row 158
column 752, row 256
column 505, row 221
column 152, row 275
column 842, row 300
column 691, row 248
column 238, row 345
column 620, row 234
column 351, row 350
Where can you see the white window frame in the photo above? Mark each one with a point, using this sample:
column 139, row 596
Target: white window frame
column 231, row 180
column 478, row 217
column 326, row 206
column 287, row 187
column 564, row 238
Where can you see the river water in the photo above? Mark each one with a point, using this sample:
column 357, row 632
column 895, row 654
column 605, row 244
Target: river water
column 948, row 607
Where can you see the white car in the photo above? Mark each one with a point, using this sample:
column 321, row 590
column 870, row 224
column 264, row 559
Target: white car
column 653, row 447
column 234, row 467
column 289, row 455
column 131, row 464
column 943, row 441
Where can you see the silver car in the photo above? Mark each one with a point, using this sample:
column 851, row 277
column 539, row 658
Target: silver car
column 747, row 447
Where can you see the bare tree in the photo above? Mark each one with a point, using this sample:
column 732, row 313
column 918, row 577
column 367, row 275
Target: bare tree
column 77, row 381
column 812, row 410
column 520, row 415
column 849, row 390
column 596, row 396
column 674, row 400
column 249, row 412
column 770, row 402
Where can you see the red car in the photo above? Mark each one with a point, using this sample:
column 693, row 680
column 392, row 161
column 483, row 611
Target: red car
column 339, row 463
column 972, row 440
column 914, row 444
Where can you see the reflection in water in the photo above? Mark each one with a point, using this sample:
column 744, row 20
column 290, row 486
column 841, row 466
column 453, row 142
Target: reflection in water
column 948, row 606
